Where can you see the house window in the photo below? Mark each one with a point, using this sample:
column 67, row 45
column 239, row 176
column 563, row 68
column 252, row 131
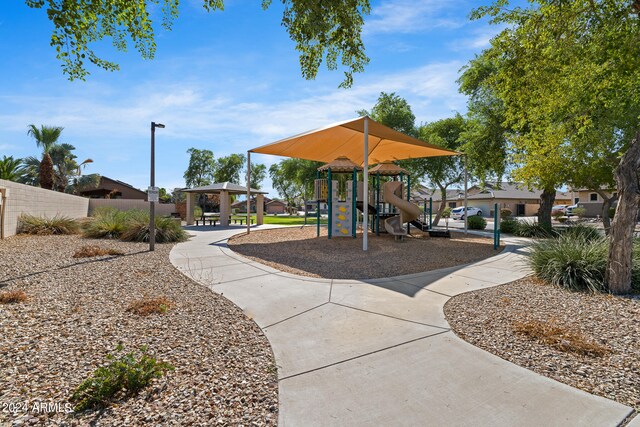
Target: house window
column 576, row 200
column 452, row 205
column 593, row 197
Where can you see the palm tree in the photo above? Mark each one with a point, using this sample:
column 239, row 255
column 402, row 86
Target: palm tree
column 46, row 137
column 65, row 165
column 10, row 168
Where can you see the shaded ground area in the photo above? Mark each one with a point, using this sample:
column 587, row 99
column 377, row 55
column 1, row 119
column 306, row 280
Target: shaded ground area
column 76, row 313
column 489, row 318
column 299, row 251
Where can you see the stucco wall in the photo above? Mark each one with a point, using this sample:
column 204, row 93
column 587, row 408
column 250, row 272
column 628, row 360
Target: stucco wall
column 162, row 209
column 25, row 199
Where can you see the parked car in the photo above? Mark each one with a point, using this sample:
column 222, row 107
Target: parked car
column 458, row 213
column 569, row 210
column 559, row 209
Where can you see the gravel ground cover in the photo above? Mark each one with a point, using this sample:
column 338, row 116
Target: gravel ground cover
column 297, row 250
column 487, row 318
column 76, row 313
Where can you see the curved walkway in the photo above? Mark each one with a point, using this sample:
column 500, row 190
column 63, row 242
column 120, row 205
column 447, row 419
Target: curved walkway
column 380, row 352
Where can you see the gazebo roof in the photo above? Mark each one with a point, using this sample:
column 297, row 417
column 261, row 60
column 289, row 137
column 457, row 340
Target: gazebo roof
column 217, row 187
column 388, row 169
column 341, row 164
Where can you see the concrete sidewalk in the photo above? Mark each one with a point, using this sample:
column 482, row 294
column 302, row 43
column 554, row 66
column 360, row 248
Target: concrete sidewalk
column 380, row 352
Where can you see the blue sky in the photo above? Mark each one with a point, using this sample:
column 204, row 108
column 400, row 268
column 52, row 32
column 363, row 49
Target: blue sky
column 225, row 81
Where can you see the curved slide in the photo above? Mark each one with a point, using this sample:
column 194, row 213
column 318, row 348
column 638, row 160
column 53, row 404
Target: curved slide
column 408, row 211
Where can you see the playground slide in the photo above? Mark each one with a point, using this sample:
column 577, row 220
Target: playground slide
column 409, row 211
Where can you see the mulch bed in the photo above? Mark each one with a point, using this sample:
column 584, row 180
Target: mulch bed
column 297, row 250
column 76, row 313
column 489, row 319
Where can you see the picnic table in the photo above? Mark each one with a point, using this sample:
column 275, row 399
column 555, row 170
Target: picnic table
column 213, row 220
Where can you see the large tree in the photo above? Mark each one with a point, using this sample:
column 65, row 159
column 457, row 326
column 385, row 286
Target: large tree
column 325, row 30
column 46, row 138
column 258, row 174
column 201, row 168
column 229, row 168
column 445, row 171
column 394, row 111
column 10, row 169
column 293, row 179
column 485, row 135
column 568, row 74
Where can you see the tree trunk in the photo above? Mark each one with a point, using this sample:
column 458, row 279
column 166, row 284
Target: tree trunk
column 46, row 175
column 606, row 205
column 443, row 206
column 620, row 261
column 547, row 198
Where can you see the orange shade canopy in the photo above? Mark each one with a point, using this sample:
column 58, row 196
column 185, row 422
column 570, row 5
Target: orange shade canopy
column 347, row 139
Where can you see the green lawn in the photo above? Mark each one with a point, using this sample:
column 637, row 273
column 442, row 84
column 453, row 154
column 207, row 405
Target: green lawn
column 291, row 220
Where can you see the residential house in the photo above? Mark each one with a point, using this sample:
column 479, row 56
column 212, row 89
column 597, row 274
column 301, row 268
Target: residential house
column 513, row 196
column 113, row 189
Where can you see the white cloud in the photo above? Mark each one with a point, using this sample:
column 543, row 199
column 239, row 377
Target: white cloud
column 411, row 16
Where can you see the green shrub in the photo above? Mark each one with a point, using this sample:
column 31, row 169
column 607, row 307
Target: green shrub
column 167, row 230
column 582, row 231
column 509, row 225
column 106, row 222
column 446, row 213
column 572, row 262
column 579, row 212
column 41, row 225
column 125, row 376
column 132, row 226
column 476, row 223
column 533, row 229
column 505, row 213
column 197, row 212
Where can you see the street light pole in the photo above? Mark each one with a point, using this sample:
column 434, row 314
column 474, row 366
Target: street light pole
column 152, row 204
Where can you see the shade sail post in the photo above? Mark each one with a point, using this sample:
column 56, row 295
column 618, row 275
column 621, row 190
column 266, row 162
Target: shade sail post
column 249, row 193
column 466, row 180
column 365, row 190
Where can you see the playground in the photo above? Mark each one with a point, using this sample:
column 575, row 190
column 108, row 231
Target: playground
column 298, row 250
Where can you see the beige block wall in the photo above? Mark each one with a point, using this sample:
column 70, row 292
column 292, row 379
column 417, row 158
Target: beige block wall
column 162, row 209
column 25, row 199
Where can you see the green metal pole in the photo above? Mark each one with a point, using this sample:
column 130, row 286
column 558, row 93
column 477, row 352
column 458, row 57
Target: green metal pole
column 408, row 200
column 329, row 204
column 318, row 206
column 496, row 230
column 354, row 197
column 430, row 212
column 377, row 181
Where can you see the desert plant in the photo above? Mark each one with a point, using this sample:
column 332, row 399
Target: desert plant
column 476, row 223
column 446, row 213
column 12, row 297
column 571, row 261
column 147, row 306
column 41, row 225
column 505, row 213
column 123, row 377
column 167, row 230
column 557, row 215
column 106, row 222
column 93, row 251
column 533, row 229
column 579, row 212
column 509, row 225
column 582, row 231
column 561, row 338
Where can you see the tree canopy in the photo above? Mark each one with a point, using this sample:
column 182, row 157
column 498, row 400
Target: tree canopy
column 568, row 74
column 229, row 168
column 393, row 111
column 201, row 168
column 293, row 179
column 328, row 31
